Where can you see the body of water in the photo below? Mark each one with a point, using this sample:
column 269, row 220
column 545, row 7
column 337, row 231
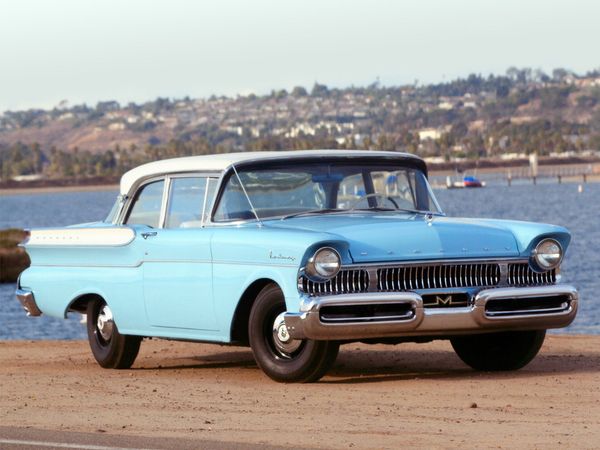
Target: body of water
column 560, row 204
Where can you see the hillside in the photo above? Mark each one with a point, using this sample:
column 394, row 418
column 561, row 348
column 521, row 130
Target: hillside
column 505, row 116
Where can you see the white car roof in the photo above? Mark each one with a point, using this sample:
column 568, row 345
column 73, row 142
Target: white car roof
column 220, row 162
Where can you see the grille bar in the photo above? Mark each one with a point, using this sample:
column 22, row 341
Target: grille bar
column 347, row 281
column 520, row 274
column 405, row 278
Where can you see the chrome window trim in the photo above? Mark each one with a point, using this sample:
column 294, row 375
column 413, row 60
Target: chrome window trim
column 206, row 186
column 165, row 202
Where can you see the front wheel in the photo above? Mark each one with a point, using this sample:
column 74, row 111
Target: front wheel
column 110, row 348
column 509, row 350
column 280, row 357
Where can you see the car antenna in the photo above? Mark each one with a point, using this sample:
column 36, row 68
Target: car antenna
column 260, row 224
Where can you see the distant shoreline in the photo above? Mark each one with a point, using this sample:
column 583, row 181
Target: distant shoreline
column 54, row 189
column 517, row 169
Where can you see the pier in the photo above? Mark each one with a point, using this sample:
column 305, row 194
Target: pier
column 527, row 174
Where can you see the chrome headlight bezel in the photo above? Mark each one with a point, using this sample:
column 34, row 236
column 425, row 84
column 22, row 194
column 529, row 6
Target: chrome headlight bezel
column 319, row 269
column 545, row 259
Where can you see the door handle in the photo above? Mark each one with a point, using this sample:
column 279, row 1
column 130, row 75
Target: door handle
column 148, row 234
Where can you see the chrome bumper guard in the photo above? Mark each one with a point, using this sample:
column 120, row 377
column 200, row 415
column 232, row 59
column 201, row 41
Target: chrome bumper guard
column 27, row 300
column 399, row 314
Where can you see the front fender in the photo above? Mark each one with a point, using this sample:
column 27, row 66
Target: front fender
column 528, row 234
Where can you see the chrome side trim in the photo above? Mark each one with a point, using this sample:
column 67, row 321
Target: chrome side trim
column 306, row 323
column 175, row 261
column 81, row 237
column 25, row 296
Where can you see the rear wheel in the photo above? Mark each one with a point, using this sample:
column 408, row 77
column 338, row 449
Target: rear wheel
column 276, row 353
column 110, row 348
column 509, row 350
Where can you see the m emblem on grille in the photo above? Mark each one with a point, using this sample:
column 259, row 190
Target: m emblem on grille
column 446, row 301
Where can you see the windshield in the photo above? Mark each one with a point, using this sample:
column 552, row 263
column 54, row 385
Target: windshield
column 300, row 188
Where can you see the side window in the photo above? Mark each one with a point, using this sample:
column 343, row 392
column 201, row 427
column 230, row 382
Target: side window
column 147, row 205
column 186, row 202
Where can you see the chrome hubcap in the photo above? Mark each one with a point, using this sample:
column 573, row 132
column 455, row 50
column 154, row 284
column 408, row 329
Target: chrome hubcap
column 282, row 339
column 105, row 323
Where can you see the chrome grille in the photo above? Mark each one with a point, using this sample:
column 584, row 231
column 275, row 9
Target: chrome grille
column 521, row 275
column 427, row 276
column 345, row 282
column 407, row 278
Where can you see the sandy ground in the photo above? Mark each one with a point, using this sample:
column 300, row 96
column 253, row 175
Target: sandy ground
column 412, row 395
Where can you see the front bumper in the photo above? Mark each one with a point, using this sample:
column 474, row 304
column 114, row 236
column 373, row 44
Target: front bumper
column 498, row 309
column 25, row 296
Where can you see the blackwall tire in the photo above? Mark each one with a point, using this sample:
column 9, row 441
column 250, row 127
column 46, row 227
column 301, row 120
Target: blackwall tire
column 285, row 360
column 509, row 350
column 111, row 349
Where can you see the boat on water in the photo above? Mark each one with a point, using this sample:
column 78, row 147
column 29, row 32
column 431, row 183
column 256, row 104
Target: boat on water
column 468, row 181
column 472, row 182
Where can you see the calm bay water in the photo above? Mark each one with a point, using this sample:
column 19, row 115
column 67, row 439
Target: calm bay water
column 45, row 210
column 551, row 203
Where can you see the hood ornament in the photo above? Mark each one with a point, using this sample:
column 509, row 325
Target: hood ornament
column 429, row 218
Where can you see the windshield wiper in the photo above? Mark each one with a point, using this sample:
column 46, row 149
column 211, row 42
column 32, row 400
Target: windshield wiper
column 373, row 208
column 408, row 210
column 312, row 211
column 376, row 208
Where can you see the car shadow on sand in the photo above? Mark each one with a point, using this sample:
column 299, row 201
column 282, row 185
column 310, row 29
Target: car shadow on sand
column 365, row 365
column 220, row 360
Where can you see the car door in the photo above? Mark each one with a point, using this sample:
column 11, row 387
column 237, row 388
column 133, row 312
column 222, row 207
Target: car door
column 177, row 267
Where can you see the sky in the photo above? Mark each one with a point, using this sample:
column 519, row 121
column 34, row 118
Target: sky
column 85, row 51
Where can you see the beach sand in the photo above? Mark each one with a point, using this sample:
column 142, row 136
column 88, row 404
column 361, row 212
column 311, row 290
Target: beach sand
column 411, row 395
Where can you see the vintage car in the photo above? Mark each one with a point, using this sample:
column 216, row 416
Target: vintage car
column 295, row 253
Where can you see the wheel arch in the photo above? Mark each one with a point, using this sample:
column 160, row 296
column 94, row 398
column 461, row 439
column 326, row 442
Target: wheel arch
column 80, row 302
column 239, row 324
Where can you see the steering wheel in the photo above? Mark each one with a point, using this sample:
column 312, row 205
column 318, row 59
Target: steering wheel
column 355, row 203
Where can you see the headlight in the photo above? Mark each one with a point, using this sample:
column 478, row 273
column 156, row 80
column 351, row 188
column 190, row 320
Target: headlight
column 547, row 254
column 324, row 264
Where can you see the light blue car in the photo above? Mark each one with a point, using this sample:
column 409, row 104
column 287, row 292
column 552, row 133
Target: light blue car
column 295, row 253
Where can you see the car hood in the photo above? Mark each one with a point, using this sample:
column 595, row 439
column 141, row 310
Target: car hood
column 390, row 237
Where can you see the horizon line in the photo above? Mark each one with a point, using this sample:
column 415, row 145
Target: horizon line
column 241, row 94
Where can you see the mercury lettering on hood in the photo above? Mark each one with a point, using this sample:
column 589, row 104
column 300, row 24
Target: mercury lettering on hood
column 381, row 238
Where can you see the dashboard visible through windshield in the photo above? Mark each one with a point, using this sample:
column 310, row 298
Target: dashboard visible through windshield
column 295, row 189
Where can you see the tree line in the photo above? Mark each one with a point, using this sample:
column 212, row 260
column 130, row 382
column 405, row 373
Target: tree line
column 542, row 137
